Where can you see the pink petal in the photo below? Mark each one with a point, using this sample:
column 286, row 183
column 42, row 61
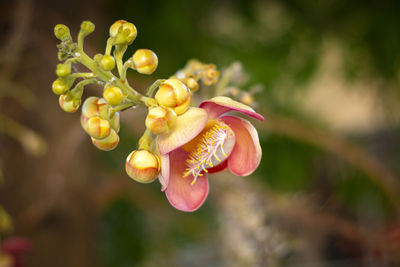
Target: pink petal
column 188, row 126
column 181, row 193
column 221, row 104
column 246, row 154
column 164, row 174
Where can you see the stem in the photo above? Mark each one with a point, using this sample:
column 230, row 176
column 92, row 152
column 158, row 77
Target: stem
column 153, row 87
column 109, row 46
column 118, row 54
column 78, row 89
column 108, row 77
column 125, row 68
column 123, row 107
column 84, row 75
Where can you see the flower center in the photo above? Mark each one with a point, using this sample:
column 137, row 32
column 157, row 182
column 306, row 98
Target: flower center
column 210, row 148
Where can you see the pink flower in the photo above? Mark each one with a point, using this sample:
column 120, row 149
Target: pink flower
column 206, row 141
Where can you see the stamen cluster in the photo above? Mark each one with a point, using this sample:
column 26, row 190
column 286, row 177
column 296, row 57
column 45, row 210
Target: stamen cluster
column 205, row 155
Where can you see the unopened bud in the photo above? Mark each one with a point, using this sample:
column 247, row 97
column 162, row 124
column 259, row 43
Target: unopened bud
column 63, row 70
column 61, row 32
column 60, row 86
column 115, row 27
column 113, row 95
column 145, row 61
column 192, row 84
column 107, row 62
column 142, row 166
column 210, row 76
column 108, row 143
column 87, row 27
column 98, row 128
column 90, row 108
column 174, row 94
column 124, row 32
column 68, row 103
column 160, row 120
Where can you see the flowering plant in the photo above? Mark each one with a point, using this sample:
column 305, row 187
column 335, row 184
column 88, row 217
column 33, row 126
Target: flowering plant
column 181, row 143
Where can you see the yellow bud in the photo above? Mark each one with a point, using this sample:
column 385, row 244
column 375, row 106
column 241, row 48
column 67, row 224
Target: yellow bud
column 98, row 128
column 174, row 94
column 107, row 62
column 108, row 143
column 90, row 108
column 247, row 99
column 192, row 84
column 69, row 104
column 142, row 166
column 123, row 32
column 160, row 120
column 145, row 61
column 113, row 95
column 210, row 76
column 63, row 70
column 115, row 27
column 61, row 32
column 59, row 87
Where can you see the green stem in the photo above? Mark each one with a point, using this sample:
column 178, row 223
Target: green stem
column 118, row 54
column 123, row 107
column 125, row 68
column 109, row 46
column 153, row 87
column 85, row 75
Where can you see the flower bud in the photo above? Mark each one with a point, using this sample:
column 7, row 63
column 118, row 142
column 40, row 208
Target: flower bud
column 160, row 120
column 210, row 76
column 145, row 61
column 69, row 104
column 90, row 108
column 61, row 32
column 192, row 84
column 113, row 95
column 107, row 62
column 142, row 166
column 87, row 27
column 63, row 70
column 124, row 32
column 174, row 94
column 98, row 128
column 108, row 143
column 59, row 86
column 115, row 27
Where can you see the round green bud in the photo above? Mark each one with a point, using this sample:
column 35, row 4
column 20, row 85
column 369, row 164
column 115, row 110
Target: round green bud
column 87, row 27
column 59, row 86
column 107, row 62
column 63, row 70
column 113, row 95
column 61, row 32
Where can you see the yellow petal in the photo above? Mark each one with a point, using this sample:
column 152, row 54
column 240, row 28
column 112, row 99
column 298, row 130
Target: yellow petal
column 187, row 127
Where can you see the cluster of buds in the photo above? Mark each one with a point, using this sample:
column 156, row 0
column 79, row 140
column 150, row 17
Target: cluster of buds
column 168, row 110
column 100, row 116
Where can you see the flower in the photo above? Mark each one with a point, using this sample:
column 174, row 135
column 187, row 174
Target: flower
column 205, row 140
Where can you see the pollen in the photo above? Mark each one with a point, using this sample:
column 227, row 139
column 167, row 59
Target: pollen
column 208, row 148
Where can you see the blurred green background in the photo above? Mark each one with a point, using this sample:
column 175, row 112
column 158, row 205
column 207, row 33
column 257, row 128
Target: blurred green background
column 325, row 193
